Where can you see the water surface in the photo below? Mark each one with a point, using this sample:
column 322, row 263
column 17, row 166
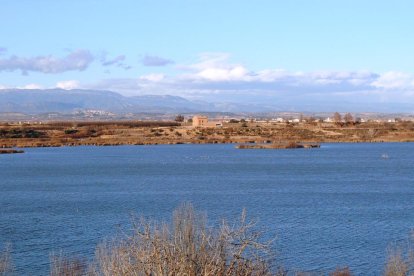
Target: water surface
column 340, row 205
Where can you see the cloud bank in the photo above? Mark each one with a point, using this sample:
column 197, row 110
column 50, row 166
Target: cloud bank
column 214, row 72
column 214, row 78
column 77, row 60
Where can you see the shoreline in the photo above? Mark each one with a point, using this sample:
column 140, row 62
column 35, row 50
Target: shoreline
column 60, row 134
column 236, row 144
column 10, row 151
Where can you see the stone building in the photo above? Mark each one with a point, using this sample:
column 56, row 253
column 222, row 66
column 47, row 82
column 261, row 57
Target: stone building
column 200, row 121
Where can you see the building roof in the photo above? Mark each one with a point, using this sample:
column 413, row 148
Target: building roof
column 200, row 117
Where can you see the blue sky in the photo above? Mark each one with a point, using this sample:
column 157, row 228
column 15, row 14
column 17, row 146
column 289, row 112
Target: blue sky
column 212, row 49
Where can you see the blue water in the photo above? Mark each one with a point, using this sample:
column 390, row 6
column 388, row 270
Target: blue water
column 340, row 205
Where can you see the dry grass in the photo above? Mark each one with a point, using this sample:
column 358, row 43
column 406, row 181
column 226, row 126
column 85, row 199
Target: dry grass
column 186, row 247
column 341, row 272
column 6, row 265
column 61, row 265
column 400, row 261
column 396, row 265
column 147, row 132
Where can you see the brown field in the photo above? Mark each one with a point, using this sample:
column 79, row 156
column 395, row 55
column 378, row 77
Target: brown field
column 56, row 134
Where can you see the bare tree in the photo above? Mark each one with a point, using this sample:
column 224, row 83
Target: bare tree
column 186, row 247
column 179, row 118
column 61, row 265
column 337, row 117
column 348, row 118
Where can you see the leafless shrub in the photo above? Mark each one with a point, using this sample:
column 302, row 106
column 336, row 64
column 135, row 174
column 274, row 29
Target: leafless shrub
column 396, row 265
column 61, row 265
column 292, row 145
column 186, row 247
column 341, row 271
column 6, row 265
column 400, row 261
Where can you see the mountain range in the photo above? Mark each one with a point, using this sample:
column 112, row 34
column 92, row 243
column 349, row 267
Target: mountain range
column 35, row 101
column 38, row 101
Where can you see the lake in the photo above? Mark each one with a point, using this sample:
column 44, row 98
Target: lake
column 340, row 205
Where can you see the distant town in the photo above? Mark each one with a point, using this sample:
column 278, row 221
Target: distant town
column 275, row 117
column 214, row 128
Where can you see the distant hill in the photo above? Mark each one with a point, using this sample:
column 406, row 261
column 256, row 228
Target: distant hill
column 36, row 101
column 40, row 101
column 68, row 101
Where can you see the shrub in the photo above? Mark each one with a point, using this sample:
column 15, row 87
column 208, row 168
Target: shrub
column 397, row 264
column 63, row 266
column 400, row 261
column 179, row 118
column 71, row 131
column 6, row 265
column 341, row 272
column 185, row 247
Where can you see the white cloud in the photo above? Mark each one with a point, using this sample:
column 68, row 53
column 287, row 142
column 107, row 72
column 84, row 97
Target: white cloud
column 216, row 68
column 236, row 73
column 152, row 77
column 213, row 77
column 67, row 85
column 395, row 80
column 31, row 86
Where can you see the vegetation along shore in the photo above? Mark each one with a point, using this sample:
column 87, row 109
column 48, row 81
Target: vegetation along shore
column 56, row 134
column 189, row 246
column 10, row 151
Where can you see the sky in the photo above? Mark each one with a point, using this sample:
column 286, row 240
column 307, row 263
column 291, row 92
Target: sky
column 329, row 53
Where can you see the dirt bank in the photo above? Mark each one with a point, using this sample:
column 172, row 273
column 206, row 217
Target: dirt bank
column 151, row 133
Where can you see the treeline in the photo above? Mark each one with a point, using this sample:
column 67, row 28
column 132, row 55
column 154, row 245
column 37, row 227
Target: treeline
column 115, row 123
column 21, row 133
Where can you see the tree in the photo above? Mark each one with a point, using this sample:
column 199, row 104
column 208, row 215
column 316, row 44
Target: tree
column 179, row 118
column 348, row 118
column 337, row 118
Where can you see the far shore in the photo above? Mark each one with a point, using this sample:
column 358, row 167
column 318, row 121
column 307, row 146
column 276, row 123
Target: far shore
column 57, row 134
column 10, row 151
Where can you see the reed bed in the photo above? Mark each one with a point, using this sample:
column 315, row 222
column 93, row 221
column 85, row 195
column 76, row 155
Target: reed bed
column 6, row 265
